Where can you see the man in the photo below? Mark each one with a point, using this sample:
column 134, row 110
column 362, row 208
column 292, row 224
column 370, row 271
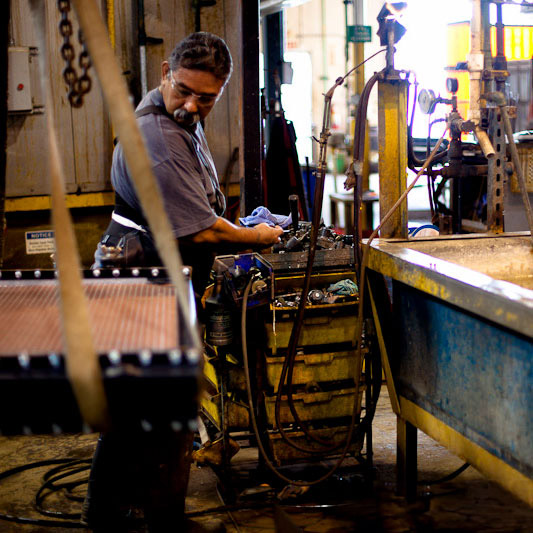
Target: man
column 192, row 81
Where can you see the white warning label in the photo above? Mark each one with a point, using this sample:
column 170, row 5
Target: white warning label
column 40, row 242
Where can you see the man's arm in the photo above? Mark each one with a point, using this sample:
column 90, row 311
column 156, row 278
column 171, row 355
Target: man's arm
column 223, row 231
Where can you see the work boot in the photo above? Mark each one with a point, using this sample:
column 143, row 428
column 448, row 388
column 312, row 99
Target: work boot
column 212, row 452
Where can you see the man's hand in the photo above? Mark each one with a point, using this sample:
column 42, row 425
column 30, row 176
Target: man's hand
column 267, row 235
column 224, row 232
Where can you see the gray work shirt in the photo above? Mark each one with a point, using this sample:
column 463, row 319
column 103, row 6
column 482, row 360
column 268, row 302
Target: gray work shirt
column 183, row 167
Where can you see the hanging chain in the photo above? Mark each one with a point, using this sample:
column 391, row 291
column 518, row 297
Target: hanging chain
column 77, row 87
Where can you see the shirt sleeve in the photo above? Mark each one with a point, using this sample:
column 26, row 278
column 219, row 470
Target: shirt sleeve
column 181, row 182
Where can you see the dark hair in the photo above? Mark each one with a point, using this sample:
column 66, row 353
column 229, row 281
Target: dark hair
column 203, row 51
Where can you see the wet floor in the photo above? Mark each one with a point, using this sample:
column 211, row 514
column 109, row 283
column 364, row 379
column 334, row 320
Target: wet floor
column 467, row 503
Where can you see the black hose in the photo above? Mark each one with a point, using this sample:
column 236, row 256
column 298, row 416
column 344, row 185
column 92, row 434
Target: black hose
column 358, row 155
column 449, row 477
column 66, row 463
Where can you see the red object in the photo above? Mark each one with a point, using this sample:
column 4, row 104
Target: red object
column 20, row 86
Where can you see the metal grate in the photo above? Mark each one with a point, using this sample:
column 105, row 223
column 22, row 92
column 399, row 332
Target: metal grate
column 126, row 315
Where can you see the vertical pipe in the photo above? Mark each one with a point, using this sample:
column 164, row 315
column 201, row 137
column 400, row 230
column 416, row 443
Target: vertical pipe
column 324, row 46
column 111, row 31
column 500, row 61
column 111, row 21
column 250, row 155
column 406, row 458
column 359, row 48
column 475, row 68
column 346, row 45
column 142, row 48
column 500, row 50
column 4, row 17
column 359, row 76
column 485, row 44
column 475, row 62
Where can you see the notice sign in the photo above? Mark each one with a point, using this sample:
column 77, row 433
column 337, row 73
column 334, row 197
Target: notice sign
column 359, row 34
column 40, row 242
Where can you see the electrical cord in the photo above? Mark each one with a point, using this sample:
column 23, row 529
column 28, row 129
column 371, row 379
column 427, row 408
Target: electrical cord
column 50, row 486
column 74, row 466
column 222, row 509
column 449, row 477
column 50, row 478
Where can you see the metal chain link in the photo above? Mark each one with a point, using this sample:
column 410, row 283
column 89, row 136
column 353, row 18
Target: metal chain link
column 77, row 86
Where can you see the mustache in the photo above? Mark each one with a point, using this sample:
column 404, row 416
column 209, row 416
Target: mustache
column 182, row 116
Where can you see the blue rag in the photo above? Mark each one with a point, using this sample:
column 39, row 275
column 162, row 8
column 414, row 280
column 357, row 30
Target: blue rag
column 262, row 214
column 344, row 287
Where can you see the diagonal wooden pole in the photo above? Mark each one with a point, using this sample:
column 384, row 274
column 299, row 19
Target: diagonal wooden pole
column 139, row 164
column 82, row 364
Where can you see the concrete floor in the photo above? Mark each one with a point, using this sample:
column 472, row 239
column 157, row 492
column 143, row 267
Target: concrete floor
column 468, row 503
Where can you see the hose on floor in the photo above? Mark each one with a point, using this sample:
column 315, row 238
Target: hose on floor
column 444, row 479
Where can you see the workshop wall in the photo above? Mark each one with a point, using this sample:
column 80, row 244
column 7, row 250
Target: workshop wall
column 85, row 136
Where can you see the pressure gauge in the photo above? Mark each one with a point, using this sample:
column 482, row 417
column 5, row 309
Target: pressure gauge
column 452, row 85
column 427, row 101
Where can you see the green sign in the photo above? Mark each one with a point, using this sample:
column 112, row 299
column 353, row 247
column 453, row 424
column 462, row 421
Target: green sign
column 359, row 34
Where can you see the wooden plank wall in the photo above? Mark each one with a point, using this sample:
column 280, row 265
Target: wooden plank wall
column 85, row 135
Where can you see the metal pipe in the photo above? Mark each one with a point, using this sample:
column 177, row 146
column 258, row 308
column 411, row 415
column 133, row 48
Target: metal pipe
column 142, row 48
column 475, row 62
column 484, row 142
column 111, row 21
column 390, row 50
column 500, row 61
column 500, row 51
column 475, row 68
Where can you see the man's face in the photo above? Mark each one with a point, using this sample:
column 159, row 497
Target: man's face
column 189, row 94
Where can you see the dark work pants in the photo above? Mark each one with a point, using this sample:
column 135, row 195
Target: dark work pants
column 146, row 470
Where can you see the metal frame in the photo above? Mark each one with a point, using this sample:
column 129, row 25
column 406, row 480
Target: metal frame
column 458, row 343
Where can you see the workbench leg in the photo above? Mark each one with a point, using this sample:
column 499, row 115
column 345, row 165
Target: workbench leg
column 406, row 460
